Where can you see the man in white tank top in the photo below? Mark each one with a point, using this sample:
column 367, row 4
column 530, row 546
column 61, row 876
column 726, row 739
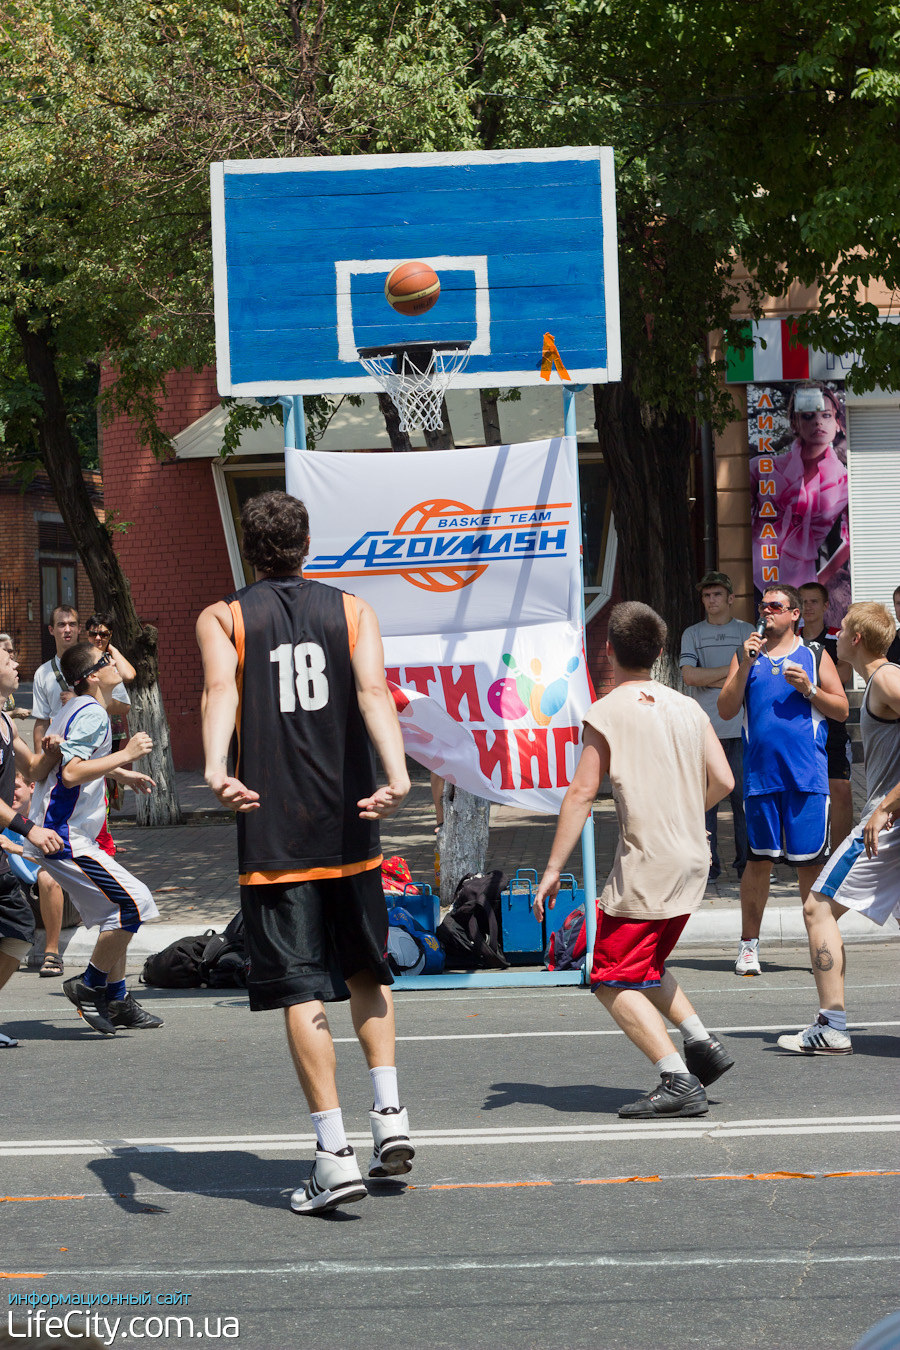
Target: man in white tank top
column 667, row 768
column 864, row 873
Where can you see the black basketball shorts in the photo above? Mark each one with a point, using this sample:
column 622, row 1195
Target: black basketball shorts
column 305, row 938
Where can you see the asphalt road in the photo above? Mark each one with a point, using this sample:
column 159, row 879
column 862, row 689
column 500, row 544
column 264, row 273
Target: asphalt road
column 163, row 1162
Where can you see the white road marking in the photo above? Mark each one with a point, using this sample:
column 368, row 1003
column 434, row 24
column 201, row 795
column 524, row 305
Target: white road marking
column 479, row 1265
column 667, row 1130
column 600, row 1031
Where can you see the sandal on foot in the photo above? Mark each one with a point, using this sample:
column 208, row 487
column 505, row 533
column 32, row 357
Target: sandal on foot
column 53, row 965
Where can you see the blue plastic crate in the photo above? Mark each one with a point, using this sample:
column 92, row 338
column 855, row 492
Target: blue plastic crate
column 570, row 896
column 522, row 936
column 420, row 901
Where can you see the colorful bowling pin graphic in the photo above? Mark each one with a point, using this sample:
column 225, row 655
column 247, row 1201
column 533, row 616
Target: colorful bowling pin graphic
column 555, row 694
column 524, row 686
column 537, row 694
column 503, row 699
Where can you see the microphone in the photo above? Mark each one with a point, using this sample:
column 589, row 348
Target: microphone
column 760, row 631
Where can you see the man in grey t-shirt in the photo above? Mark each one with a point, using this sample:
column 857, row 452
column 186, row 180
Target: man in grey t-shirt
column 706, row 652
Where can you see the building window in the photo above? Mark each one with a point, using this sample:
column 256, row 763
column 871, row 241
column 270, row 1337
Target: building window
column 236, row 482
column 598, row 531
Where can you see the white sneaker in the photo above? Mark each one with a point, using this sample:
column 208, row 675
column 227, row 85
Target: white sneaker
column 7, row 1042
column 748, row 958
column 819, row 1039
column 334, row 1180
column 393, row 1152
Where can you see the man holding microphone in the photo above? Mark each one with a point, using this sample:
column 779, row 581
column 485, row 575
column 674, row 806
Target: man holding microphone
column 787, row 691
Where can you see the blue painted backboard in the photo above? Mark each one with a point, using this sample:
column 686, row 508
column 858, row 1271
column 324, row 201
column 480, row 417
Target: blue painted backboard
column 524, row 242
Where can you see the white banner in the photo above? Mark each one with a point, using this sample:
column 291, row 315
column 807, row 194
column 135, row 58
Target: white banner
column 471, row 559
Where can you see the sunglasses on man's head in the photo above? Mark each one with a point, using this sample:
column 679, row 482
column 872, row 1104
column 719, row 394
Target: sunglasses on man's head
column 774, row 605
column 105, row 660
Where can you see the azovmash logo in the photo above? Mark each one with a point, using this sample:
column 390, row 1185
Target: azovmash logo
column 443, row 545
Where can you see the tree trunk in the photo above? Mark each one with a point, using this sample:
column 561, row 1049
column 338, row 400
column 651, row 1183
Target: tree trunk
column 490, row 417
column 400, row 442
column 463, row 838
column 443, row 439
column 108, row 582
column 648, row 453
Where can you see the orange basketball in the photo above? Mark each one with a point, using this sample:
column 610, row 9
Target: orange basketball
column 412, row 288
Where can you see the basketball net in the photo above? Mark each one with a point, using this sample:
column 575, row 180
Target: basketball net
column 416, row 378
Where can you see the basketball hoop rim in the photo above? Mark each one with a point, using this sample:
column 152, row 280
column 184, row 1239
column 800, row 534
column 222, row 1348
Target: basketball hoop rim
column 399, row 348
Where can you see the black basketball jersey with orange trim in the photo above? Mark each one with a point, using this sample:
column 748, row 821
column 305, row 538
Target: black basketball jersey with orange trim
column 301, row 741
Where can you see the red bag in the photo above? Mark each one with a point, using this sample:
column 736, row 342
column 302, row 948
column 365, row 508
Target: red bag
column 395, row 874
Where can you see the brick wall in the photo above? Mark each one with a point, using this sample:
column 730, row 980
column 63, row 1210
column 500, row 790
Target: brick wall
column 20, row 565
column 174, row 552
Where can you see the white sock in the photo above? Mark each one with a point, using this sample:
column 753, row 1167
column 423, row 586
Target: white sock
column 835, row 1017
column 750, row 942
column 329, row 1128
column 671, row 1064
column 384, row 1085
column 692, row 1029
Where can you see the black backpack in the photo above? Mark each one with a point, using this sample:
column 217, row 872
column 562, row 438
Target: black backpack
column 216, row 960
column 470, row 934
column 223, row 964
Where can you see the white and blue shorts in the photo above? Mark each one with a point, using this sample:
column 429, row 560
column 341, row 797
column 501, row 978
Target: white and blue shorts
column 870, row 886
column 103, row 892
column 791, row 826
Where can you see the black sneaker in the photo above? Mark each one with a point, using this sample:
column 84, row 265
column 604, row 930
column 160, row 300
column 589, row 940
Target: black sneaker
column 92, row 1004
column 707, row 1060
column 679, row 1094
column 127, row 1012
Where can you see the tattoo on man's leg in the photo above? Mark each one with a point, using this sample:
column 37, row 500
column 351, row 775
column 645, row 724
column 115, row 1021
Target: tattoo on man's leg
column 824, row 959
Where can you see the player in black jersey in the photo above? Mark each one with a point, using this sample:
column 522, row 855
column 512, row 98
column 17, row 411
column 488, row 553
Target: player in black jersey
column 294, row 683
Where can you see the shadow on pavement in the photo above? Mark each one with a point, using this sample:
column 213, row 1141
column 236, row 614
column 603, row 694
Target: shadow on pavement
column 267, row 1182
column 568, row 1097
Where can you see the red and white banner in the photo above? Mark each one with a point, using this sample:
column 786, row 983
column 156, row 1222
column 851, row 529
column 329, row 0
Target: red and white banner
column 471, row 559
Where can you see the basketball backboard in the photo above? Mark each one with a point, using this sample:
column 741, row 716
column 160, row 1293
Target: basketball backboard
column 524, row 242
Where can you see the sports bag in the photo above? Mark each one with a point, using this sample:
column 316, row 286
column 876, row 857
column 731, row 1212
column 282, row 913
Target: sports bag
column 212, row 959
column 430, row 949
column 178, row 965
column 568, row 945
column 470, row 934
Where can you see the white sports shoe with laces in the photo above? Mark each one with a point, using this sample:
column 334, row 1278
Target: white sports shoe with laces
column 335, row 1180
column 748, row 958
column 819, row 1039
column 392, row 1151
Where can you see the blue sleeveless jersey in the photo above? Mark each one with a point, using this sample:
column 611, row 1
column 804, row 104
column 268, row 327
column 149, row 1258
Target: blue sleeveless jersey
column 784, row 737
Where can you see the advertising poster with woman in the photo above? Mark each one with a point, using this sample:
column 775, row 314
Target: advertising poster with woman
column 798, row 477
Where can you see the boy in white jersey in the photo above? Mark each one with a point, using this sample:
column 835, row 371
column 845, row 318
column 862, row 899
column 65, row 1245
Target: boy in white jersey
column 864, row 873
column 72, row 802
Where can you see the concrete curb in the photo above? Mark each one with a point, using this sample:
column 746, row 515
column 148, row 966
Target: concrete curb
column 782, row 926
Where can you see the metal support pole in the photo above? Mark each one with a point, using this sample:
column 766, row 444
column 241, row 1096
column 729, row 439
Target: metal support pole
column 588, row 851
column 294, row 421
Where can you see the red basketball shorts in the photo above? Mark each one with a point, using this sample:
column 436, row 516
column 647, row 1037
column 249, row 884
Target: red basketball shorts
column 631, row 954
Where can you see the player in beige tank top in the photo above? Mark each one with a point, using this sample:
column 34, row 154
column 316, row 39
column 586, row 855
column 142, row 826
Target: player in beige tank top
column 667, row 768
